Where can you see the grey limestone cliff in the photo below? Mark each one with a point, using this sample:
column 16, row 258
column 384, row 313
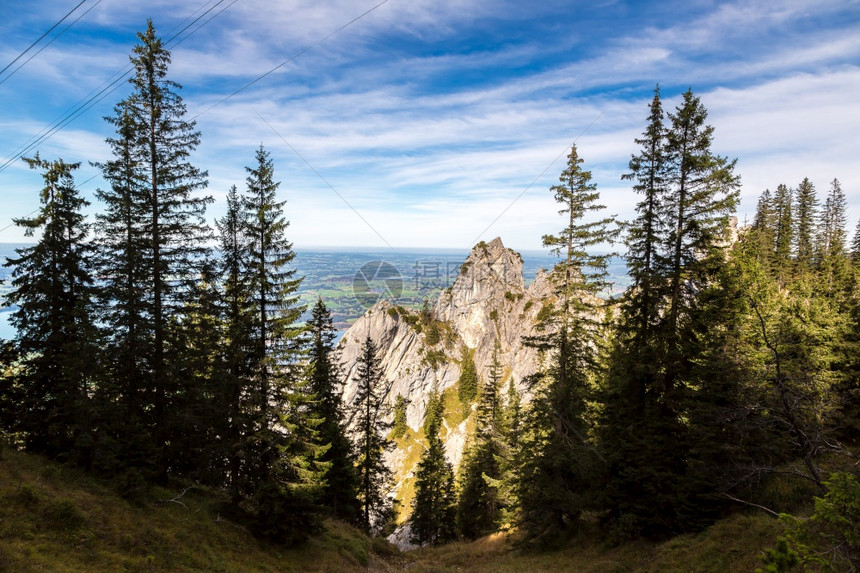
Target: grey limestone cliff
column 487, row 303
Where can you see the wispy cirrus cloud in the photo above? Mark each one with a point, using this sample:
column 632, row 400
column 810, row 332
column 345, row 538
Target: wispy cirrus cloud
column 431, row 118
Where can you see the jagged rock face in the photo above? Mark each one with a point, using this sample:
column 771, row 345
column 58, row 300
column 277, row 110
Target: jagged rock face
column 402, row 354
column 487, row 303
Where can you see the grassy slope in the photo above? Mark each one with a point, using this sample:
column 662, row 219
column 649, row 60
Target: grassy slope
column 54, row 518
column 734, row 544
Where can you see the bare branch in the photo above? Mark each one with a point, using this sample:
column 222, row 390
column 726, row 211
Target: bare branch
column 733, row 498
column 177, row 498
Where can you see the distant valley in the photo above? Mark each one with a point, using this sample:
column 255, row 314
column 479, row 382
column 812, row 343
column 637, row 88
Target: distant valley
column 329, row 273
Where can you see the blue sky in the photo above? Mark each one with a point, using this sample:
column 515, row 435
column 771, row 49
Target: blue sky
column 443, row 122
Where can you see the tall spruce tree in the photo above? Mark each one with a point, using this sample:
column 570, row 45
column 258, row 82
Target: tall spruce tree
column 831, row 247
column 855, row 245
column 635, row 370
column 509, row 458
column 704, row 192
column 155, row 226
column 831, row 229
column 434, row 507
column 121, row 258
column 764, row 226
column 234, row 388
column 370, row 412
column 649, row 171
column 558, row 471
column 284, row 472
column 784, row 231
column 176, row 229
column 479, row 505
column 56, row 340
column 642, row 430
column 340, row 494
column 805, row 224
column 272, row 282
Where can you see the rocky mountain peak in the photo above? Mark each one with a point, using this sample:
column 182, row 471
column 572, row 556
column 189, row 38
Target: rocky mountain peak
column 490, row 265
column 491, row 275
column 487, row 305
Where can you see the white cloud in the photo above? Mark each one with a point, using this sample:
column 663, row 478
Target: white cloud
column 431, row 144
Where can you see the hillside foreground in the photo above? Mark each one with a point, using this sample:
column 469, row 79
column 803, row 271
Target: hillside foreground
column 57, row 518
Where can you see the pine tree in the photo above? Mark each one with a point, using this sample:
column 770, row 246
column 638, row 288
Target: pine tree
column 400, row 427
column 370, row 412
column 56, row 339
column 509, row 458
column 237, row 353
column 176, row 229
column 649, row 171
column 784, row 233
column 556, row 475
column 764, row 226
column 831, row 247
column 644, row 302
column 479, row 505
column 434, row 506
column 855, row 245
column 805, row 219
column 467, row 383
column 157, row 233
column 121, row 258
column 642, row 430
column 489, row 408
column 340, row 493
column 284, row 469
column 704, row 192
column 832, row 227
column 272, row 283
column 434, row 410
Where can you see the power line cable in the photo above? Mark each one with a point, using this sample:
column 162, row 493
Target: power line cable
column 21, row 55
column 541, row 174
column 25, row 62
column 108, row 87
column 87, row 104
column 318, row 174
column 290, row 59
column 78, row 186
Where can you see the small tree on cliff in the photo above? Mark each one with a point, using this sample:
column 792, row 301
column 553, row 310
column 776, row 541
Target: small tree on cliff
column 479, row 505
column 434, row 506
column 370, row 412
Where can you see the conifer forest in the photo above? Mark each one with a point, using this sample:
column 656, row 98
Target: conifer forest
column 153, row 349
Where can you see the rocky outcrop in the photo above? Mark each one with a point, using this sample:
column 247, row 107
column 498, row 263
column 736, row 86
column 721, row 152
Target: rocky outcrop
column 488, row 304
